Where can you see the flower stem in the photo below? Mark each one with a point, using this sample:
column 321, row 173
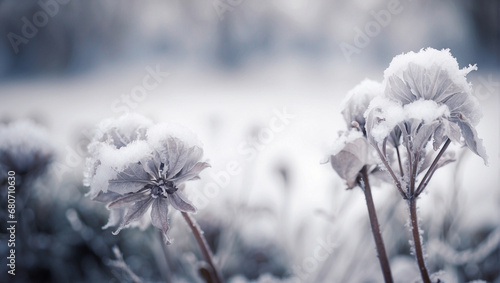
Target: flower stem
column 205, row 249
column 399, row 162
column 416, row 240
column 379, row 242
column 389, row 168
column 431, row 169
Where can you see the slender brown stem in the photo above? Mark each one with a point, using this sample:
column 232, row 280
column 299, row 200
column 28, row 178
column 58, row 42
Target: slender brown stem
column 205, row 249
column 431, row 169
column 377, row 235
column 396, row 180
column 416, row 241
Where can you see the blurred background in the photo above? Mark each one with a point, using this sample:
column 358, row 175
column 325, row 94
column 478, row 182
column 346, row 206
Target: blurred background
column 227, row 69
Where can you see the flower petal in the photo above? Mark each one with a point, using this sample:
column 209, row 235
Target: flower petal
column 131, row 179
column 159, row 216
column 179, row 202
column 128, row 200
column 178, row 156
column 106, row 196
column 447, row 129
column 191, row 174
column 134, row 213
column 115, row 217
column 472, row 141
column 350, row 160
column 399, row 91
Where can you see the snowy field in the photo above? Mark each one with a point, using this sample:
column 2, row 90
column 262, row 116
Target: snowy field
column 275, row 125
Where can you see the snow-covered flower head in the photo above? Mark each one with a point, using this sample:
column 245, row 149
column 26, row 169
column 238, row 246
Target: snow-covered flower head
column 351, row 151
column 25, row 148
column 426, row 95
column 146, row 171
column 357, row 101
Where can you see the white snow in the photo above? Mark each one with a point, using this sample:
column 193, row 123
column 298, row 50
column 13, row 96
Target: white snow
column 112, row 160
column 127, row 124
column 425, row 110
column 344, row 139
column 390, row 111
column 427, row 58
column 157, row 134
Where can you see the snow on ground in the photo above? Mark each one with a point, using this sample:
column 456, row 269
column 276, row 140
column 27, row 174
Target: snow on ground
column 260, row 120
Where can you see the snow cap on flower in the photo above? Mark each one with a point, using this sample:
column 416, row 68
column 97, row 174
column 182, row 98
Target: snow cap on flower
column 357, row 101
column 146, row 172
column 123, row 130
column 110, row 136
column 427, row 88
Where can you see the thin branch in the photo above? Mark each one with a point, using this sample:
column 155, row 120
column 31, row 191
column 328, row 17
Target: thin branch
column 431, row 169
column 377, row 235
column 205, row 249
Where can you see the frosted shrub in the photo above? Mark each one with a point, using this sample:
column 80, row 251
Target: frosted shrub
column 26, row 149
column 136, row 167
column 423, row 104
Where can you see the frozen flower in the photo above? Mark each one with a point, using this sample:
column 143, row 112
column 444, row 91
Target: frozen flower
column 146, row 171
column 357, row 101
column 349, row 155
column 26, row 149
column 351, row 151
column 426, row 96
column 116, row 133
